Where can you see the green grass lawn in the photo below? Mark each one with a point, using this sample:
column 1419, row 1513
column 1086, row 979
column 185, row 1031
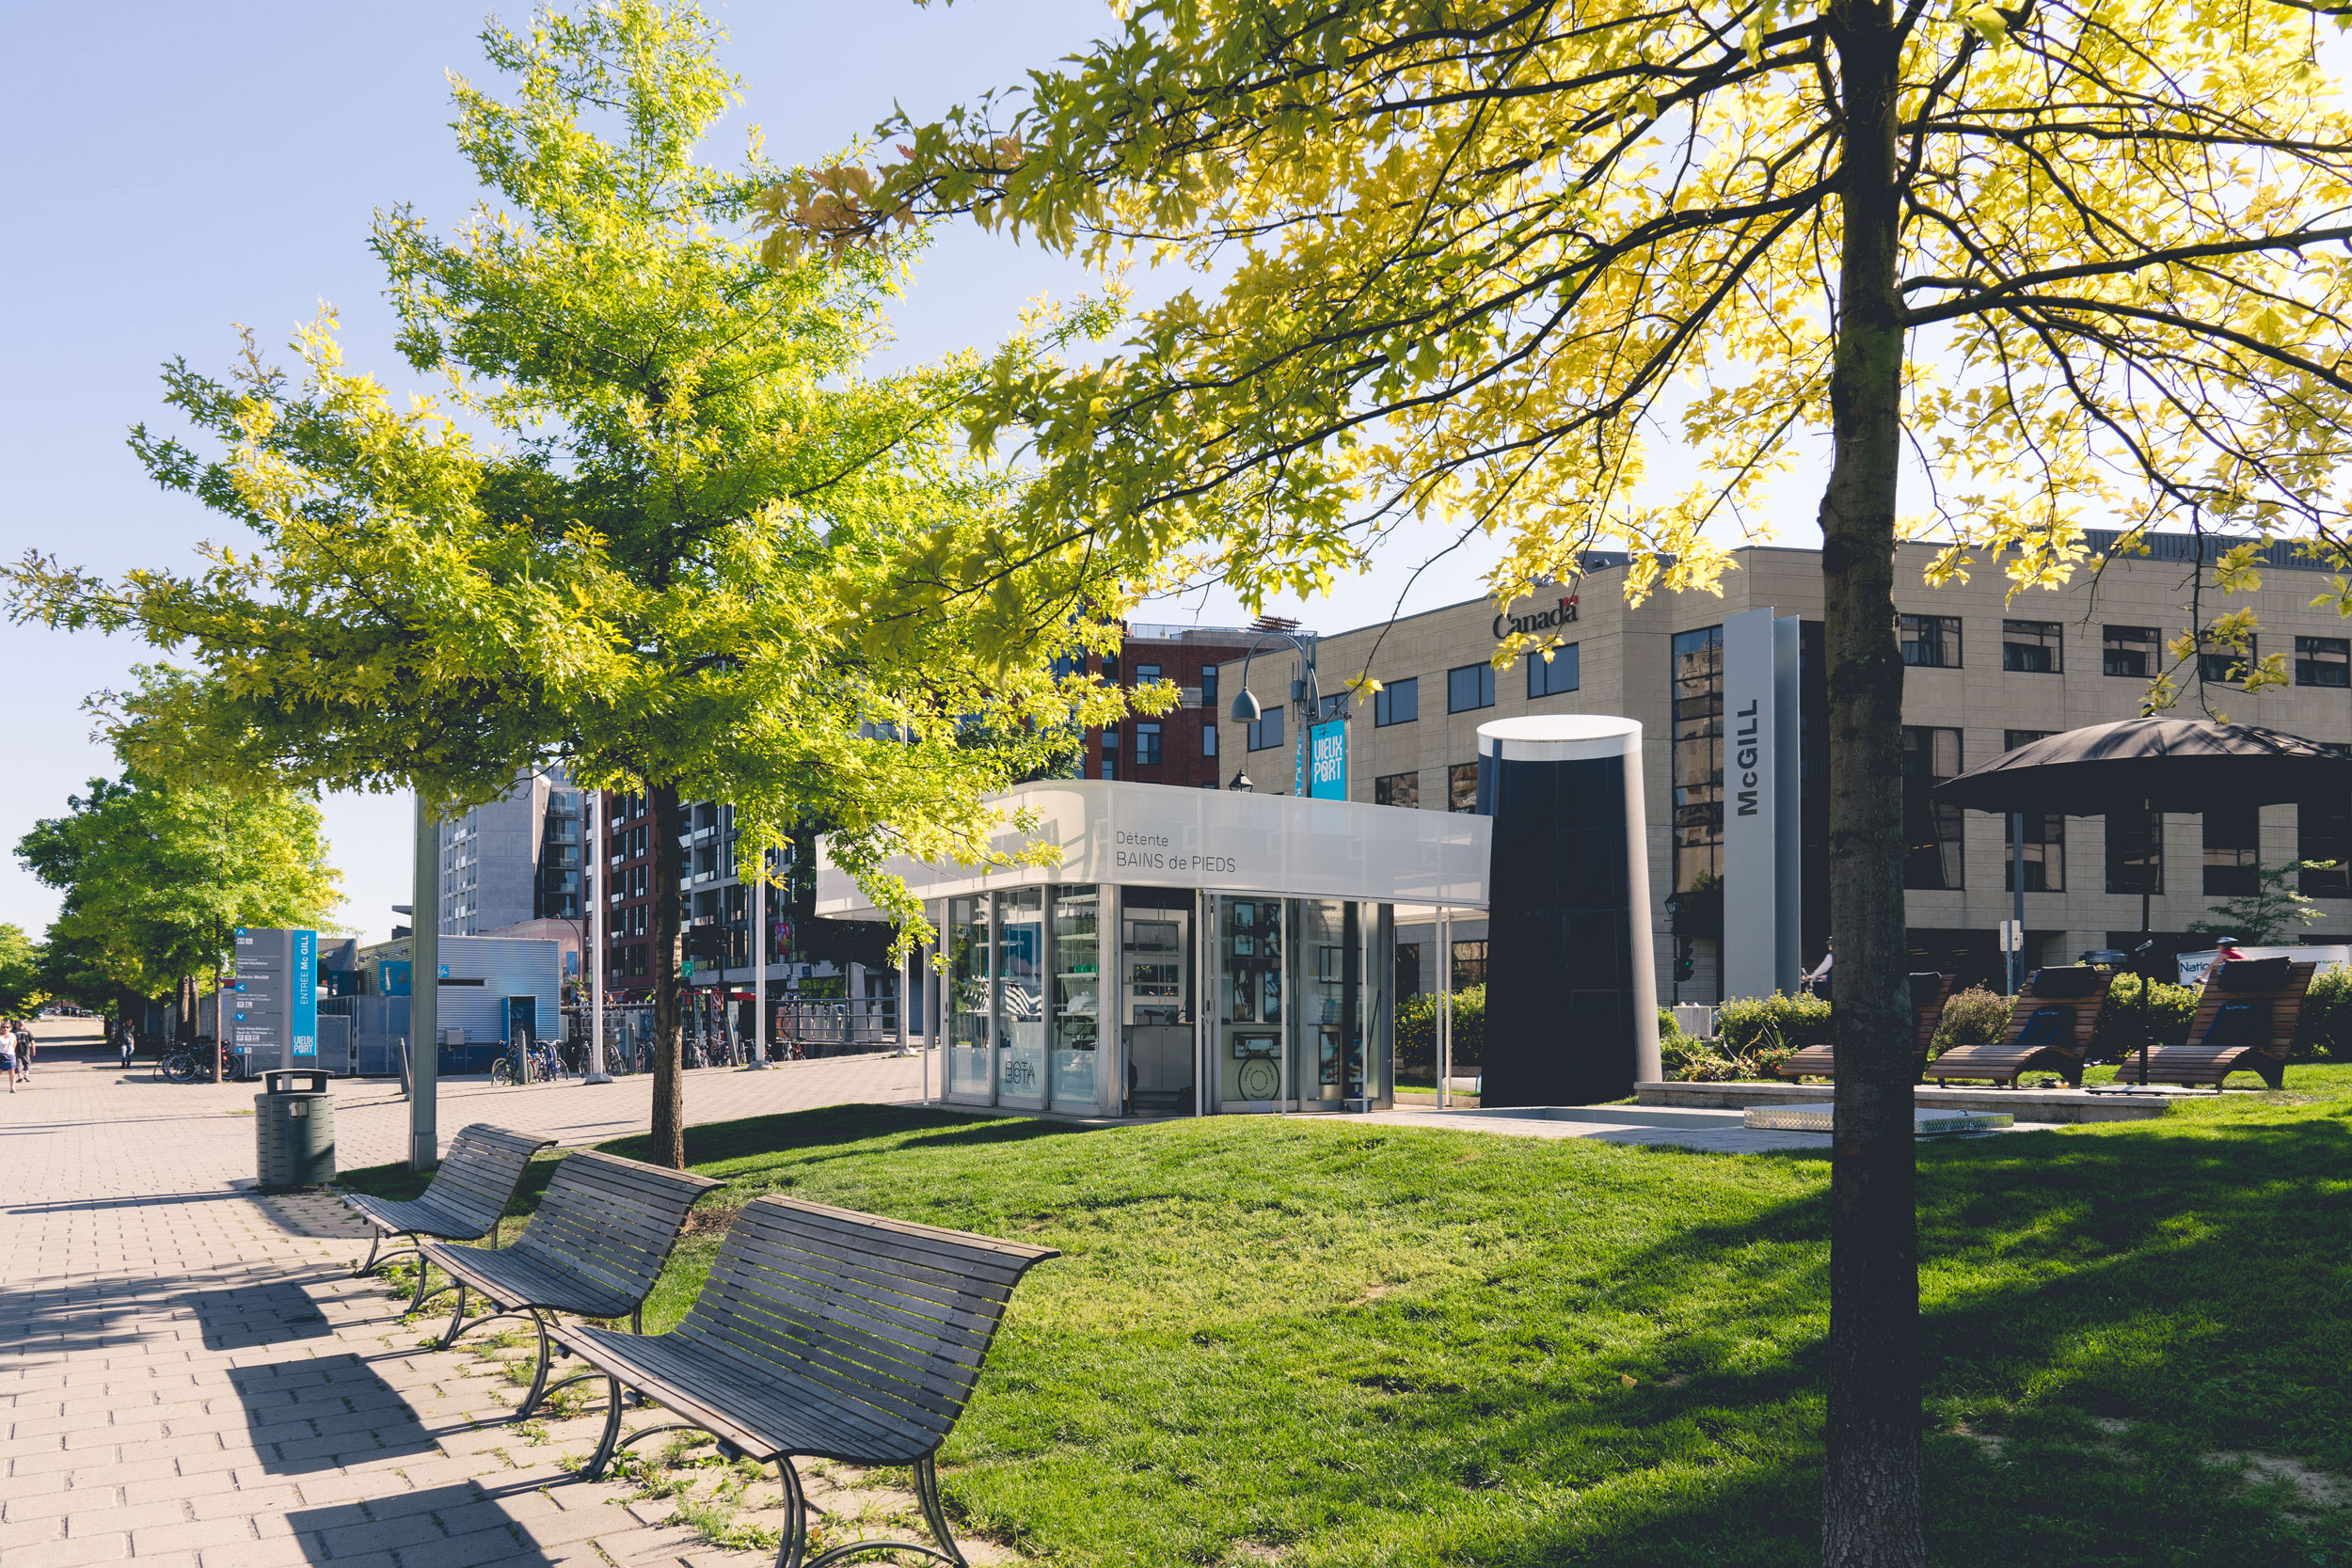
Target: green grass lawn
column 1325, row 1343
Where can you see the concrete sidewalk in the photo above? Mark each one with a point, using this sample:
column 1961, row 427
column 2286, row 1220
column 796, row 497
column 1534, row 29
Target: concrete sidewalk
column 192, row 1377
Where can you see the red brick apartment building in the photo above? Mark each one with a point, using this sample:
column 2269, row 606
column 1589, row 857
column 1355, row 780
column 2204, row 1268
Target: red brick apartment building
column 1178, row 747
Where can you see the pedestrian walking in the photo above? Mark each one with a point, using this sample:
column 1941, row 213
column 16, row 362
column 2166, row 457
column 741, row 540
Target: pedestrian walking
column 24, row 1048
column 130, row 1045
column 8, row 1052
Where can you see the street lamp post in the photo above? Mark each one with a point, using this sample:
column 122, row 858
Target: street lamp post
column 1306, row 695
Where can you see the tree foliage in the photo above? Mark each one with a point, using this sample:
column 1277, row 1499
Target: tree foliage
column 2269, row 913
column 22, row 987
column 158, row 876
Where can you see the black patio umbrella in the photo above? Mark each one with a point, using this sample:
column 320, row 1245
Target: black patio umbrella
column 2188, row 765
column 2152, row 764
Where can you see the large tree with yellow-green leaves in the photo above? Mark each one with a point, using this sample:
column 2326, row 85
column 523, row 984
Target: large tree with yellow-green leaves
column 1597, row 272
column 658, row 522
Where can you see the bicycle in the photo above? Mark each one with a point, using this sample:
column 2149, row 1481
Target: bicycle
column 179, row 1065
column 539, row 1065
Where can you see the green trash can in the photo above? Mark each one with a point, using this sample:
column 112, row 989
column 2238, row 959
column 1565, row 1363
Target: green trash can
column 294, row 1129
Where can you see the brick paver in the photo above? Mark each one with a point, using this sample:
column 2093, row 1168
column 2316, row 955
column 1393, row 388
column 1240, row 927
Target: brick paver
column 193, row 1377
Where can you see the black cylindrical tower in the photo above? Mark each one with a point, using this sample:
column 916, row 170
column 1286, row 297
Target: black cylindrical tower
column 1571, row 996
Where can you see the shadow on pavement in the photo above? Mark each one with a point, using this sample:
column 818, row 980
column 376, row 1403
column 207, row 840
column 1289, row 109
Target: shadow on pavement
column 457, row 1524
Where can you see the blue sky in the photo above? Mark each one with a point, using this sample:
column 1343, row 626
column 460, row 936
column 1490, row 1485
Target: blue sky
column 175, row 169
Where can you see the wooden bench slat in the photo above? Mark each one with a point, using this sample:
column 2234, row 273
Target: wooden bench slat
column 933, row 1288
column 469, row 1190
column 568, row 1259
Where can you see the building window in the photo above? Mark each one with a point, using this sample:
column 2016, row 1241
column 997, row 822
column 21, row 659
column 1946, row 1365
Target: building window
column 1698, row 755
column 1548, row 677
column 1110, row 669
column 1930, row 641
column 1110, row 740
column 1397, row 702
column 2322, row 661
column 2324, row 833
column 1265, row 732
column 1208, row 687
column 1932, row 830
column 1146, row 673
column 1396, row 789
column 1407, row 970
column 1469, row 964
column 2219, row 661
column 2128, row 651
column 1208, row 741
column 1110, row 767
column 1471, row 687
column 1146, row 745
column 1461, row 787
column 2232, row 848
column 2045, row 855
column 2033, row 647
column 2136, row 851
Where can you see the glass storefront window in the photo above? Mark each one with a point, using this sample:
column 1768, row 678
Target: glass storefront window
column 1021, row 997
column 1250, row 985
column 1330, row 988
column 968, row 999
column 1077, row 991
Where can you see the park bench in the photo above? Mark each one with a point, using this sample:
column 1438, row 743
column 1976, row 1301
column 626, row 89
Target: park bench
column 1930, row 990
column 598, row 1240
column 468, row 1194
column 2050, row 1025
column 2244, row 1022
column 826, row 1334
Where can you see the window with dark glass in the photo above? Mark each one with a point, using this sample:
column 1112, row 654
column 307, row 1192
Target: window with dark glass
column 2134, row 851
column 2032, row 646
column 1930, row 641
column 1461, row 787
column 1146, row 745
column 1110, row 740
column 2045, row 836
column 2322, row 661
column 2232, row 848
column 2324, row 833
column 1110, row 769
column 1208, row 687
column 1471, row 687
column 1697, row 675
column 1469, row 964
column 2132, row 651
column 1110, row 668
column 1397, row 702
column 1334, row 705
column 1396, row 789
column 1146, row 673
column 2220, row 662
column 1266, row 731
column 1932, row 830
column 1551, row 677
column 1208, row 740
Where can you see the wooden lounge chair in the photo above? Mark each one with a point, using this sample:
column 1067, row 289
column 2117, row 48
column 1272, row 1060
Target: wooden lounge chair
column 2246, row 1023
column 2049, row 1030
column 1928, row 993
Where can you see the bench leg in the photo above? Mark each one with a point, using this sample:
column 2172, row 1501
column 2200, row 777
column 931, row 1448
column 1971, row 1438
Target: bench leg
column 795, row 1515
column 424, row 1286
column 612, row 1405
column 375, row 1244
column 546, row 1361
column 456, row 1319
column 927, row 1488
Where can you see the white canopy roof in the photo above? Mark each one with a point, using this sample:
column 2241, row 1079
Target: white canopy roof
column 1157, row 836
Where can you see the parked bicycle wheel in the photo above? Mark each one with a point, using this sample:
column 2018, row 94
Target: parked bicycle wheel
column 181, row 1067
column 502, row 1072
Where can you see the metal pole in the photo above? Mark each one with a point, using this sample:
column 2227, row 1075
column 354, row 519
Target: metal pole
column 424, row 996
column 2017, row 899
column 1445, row 1007
column 759, row 964
column 599, row 870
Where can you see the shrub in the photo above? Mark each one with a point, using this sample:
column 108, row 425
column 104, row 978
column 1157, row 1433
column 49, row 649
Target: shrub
column 1972, row 1016
column 1416, row 1033
column 1754, row 1025
column 2325, row 1029
column 2169, row 1011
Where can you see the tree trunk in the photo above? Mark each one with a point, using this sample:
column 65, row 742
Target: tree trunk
column 669, row 877
column 1872, row 1512
column 185, row 1001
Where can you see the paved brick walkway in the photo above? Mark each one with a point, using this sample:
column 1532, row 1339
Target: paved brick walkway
column 191, row 1377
